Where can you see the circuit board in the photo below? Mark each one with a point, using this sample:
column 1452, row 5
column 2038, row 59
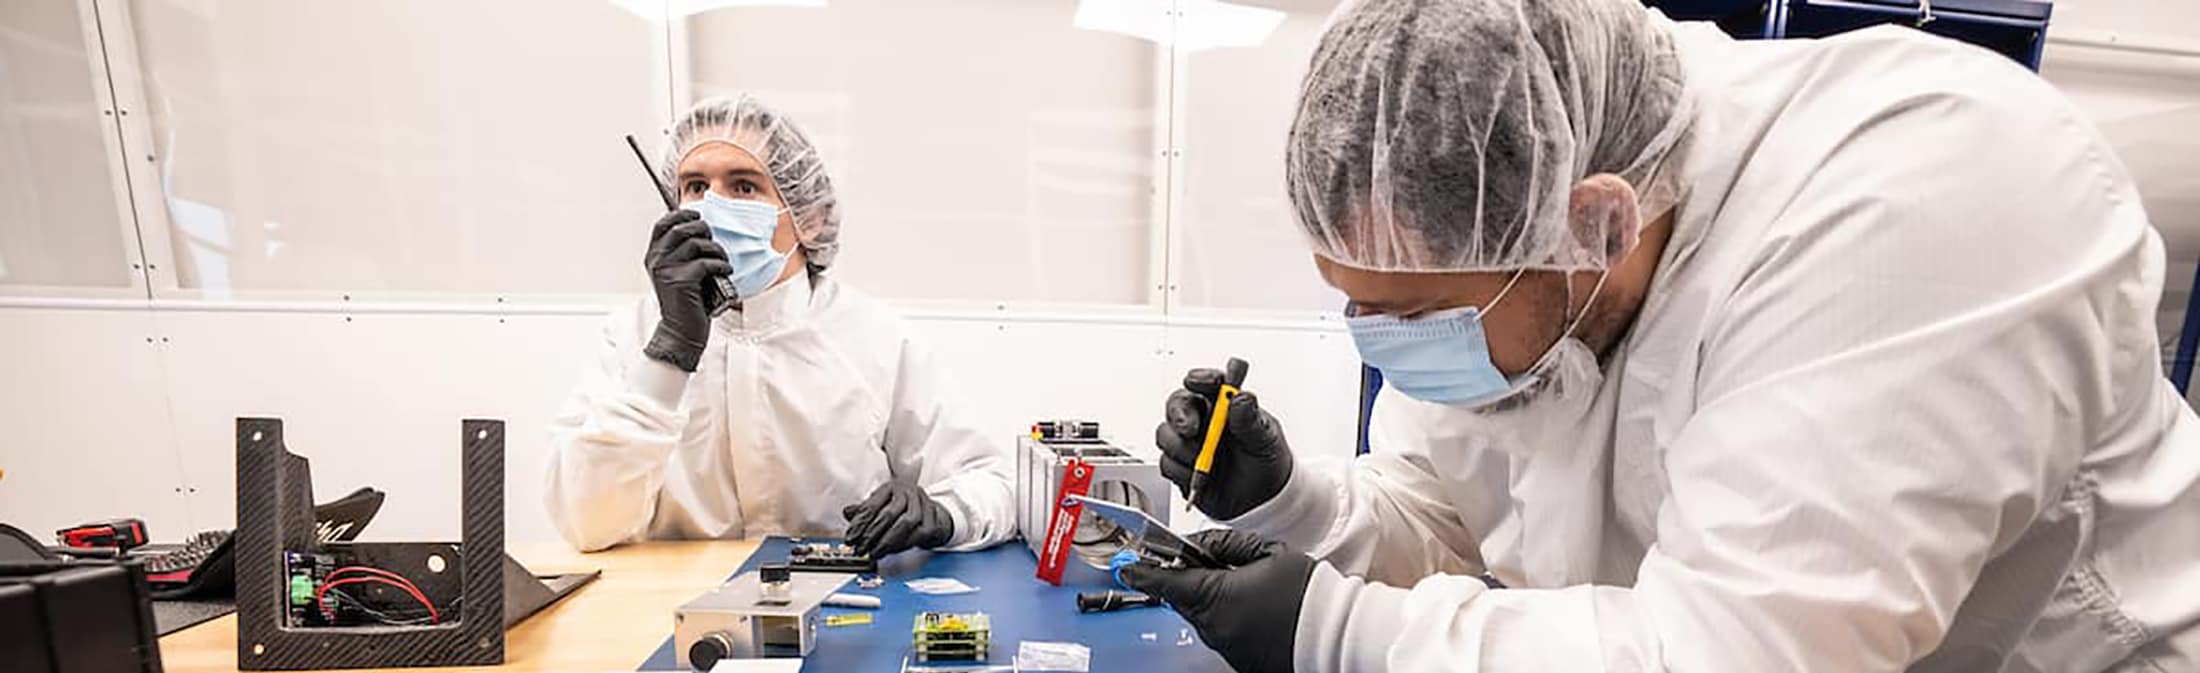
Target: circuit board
column 950, row 636
column 332, row 590
column 829, row 557
column 304, row 574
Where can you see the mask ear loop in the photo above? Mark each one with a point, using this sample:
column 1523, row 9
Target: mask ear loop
column 1501, row 292
column 1593, row 292
column 1544, row 360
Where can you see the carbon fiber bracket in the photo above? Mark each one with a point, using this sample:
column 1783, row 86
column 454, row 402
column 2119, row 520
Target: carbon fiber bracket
column 275, row 514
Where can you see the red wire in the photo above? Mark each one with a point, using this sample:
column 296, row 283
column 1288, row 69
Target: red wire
column 371, row 571
column 434, row 616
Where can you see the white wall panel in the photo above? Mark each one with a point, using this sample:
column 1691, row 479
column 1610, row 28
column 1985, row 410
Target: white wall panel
column 62, row 230
column 1016, row 372
column 375, row 400
column 982, row 149
column 85, row 417
column 413, row 147
column 1237, row 243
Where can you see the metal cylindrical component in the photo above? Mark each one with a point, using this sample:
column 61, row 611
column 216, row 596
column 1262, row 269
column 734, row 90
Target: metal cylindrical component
column 707, row 650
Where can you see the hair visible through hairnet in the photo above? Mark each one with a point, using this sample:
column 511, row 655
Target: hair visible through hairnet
column 1445, row 135
column 795, row 167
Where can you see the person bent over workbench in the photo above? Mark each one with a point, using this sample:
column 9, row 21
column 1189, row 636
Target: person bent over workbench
column 805, row 408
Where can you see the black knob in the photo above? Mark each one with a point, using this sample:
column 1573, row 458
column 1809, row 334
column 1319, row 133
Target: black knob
column 707, row 650
column 774, row 572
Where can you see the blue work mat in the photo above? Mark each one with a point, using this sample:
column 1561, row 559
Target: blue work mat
column 1022, row 607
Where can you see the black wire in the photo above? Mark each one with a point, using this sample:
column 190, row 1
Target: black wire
column 392, row 617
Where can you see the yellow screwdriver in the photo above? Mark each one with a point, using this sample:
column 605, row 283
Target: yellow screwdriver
column 1233, row 376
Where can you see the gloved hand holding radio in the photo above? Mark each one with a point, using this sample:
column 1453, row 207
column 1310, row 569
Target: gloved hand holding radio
column 683, row 267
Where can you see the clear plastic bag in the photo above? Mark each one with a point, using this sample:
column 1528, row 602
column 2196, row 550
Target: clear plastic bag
column 1039, row 655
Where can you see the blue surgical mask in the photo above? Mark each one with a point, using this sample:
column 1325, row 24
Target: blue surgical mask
column 1442, row 357
column 744, row 227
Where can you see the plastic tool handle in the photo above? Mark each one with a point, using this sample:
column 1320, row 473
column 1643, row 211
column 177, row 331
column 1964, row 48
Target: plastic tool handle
column 725, row 285
column 1233, row 376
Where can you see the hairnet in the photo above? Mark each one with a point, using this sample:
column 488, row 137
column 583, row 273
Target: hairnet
column 795, row 167
column 1445, row 135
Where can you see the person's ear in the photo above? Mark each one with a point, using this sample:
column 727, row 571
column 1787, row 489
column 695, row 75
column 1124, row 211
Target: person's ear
column 1602, row 211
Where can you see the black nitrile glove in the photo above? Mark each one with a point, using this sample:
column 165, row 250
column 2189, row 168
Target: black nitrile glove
column 683, row 267
column 897, row 516
column 1249, row 613
column 1252, row 462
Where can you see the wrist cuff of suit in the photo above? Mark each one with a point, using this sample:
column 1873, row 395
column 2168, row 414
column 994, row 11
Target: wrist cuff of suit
column 657, row 381
column 1346, row 623
column 965, row 536
column 683, row 358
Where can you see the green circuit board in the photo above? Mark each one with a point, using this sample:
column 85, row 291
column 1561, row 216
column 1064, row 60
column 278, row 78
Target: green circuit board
column 949, row 636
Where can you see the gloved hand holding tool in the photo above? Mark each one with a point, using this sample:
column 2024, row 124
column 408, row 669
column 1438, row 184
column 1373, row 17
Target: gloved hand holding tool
column 1248, row 613
column 1226, row 458
column 897, row 516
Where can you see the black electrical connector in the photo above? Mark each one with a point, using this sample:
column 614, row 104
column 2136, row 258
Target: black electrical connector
column 1112, row 600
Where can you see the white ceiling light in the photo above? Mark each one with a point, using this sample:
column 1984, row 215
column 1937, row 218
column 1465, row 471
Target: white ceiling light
column 1207, row 24
column 657, row 10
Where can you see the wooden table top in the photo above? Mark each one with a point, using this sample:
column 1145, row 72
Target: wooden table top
column 611, row 624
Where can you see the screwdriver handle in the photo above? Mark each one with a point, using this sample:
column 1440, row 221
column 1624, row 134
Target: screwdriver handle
column 1233, row 375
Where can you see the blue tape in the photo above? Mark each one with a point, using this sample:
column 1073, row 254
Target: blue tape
column 1122, row 557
